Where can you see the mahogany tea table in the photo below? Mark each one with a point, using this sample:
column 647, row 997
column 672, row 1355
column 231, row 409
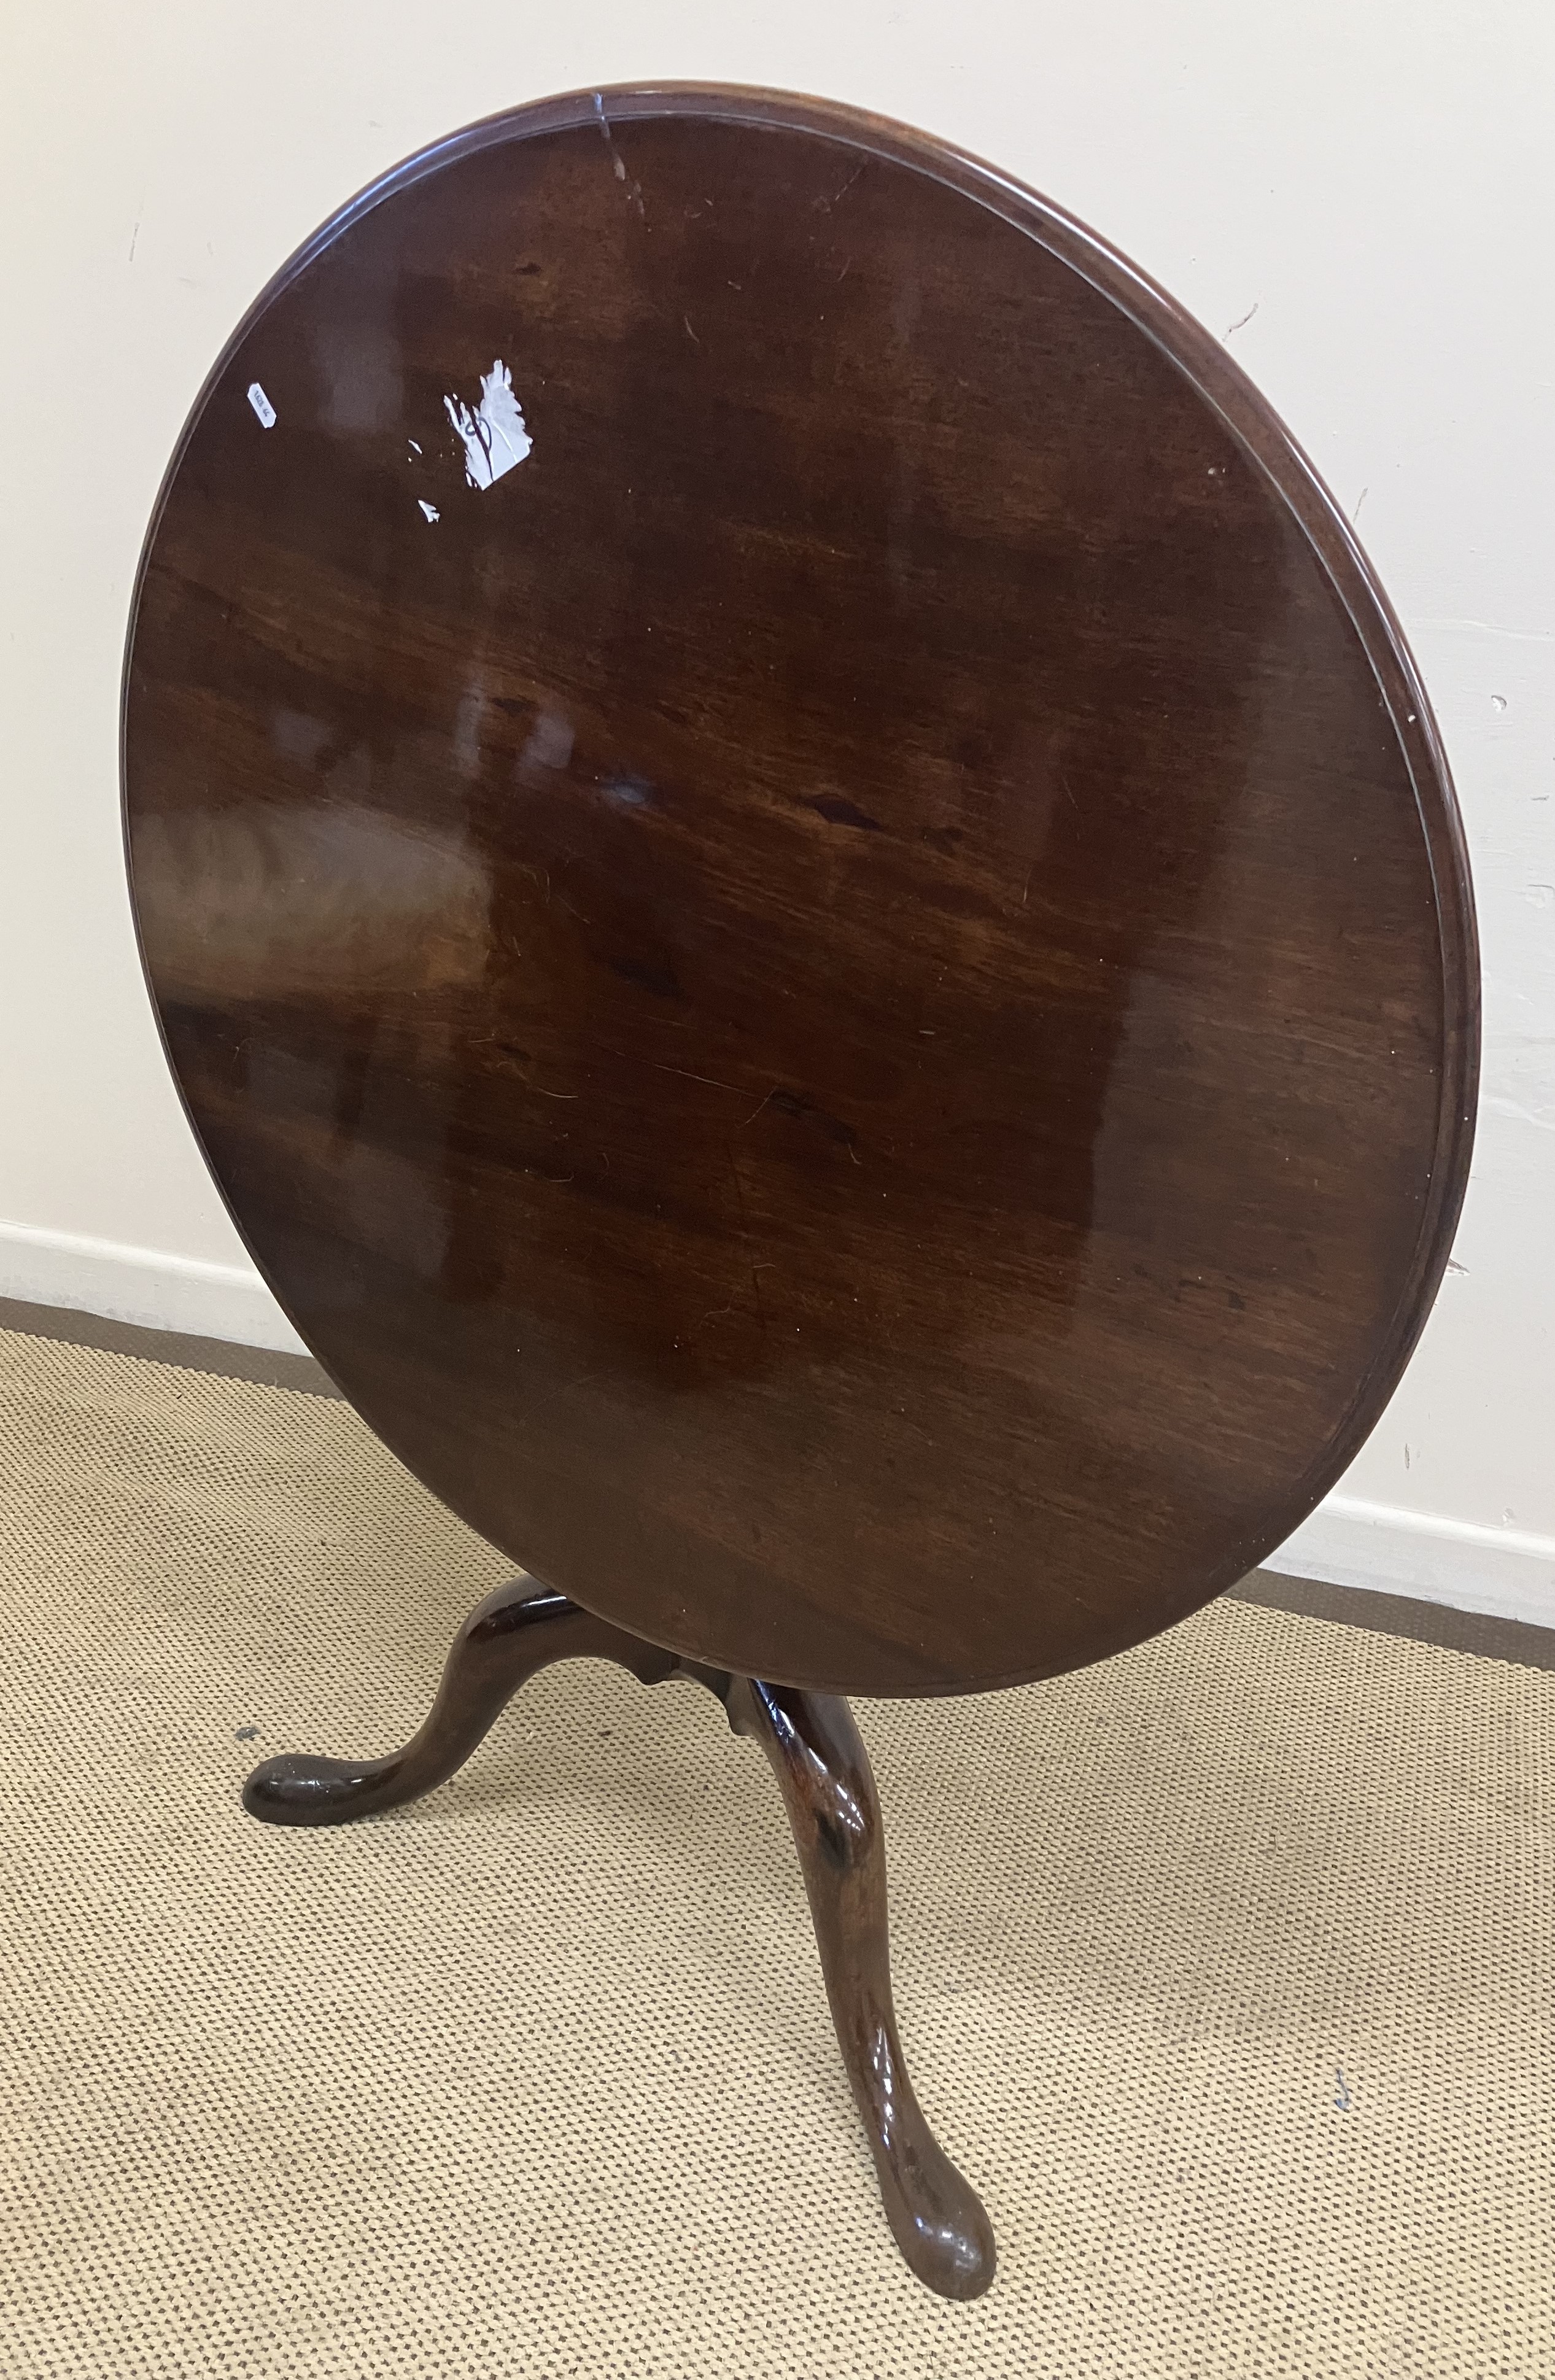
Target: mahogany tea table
column 810, row 911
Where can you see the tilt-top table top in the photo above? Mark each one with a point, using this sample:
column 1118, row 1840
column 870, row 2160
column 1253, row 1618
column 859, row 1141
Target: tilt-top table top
column 800, row 889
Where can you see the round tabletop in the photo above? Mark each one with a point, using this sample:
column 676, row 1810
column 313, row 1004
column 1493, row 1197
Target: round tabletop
column 800, row 889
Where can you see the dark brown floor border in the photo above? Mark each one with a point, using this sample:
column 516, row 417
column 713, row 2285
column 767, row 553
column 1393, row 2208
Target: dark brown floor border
column 1402, row 1615
column 267, row 1369
column 1352, row 1607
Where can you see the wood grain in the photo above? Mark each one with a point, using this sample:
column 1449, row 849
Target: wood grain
column 845, row 1006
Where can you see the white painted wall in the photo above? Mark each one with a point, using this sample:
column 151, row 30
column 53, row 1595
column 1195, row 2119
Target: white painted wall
column 1377, row 180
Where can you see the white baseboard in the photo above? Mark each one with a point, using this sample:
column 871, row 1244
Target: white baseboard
column 142, row 1285
column 1507, row 1572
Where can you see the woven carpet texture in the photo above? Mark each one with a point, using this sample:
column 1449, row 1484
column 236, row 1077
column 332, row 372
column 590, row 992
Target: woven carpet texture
column 1224, row 1969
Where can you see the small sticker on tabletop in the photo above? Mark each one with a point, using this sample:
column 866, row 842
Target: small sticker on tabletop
column 261, row 405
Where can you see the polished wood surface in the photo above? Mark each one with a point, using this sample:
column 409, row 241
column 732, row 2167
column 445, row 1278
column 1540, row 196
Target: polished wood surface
column 822, row 1767
column 823, row 1773
column 845, row 1003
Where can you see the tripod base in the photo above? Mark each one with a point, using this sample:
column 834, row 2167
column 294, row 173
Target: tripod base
column 823, row 1773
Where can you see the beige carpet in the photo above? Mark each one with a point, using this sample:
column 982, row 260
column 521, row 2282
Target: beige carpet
column 1225, row 1971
